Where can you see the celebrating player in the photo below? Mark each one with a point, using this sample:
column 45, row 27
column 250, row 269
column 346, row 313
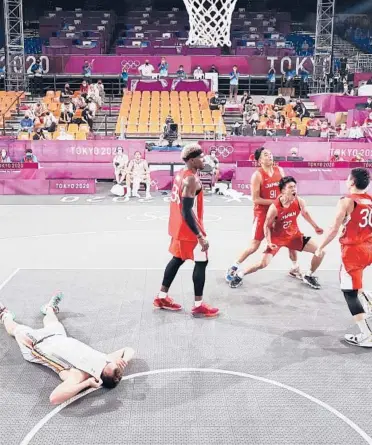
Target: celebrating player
column 281, row 230
column 354, row 213
column 265, row 189
column 188, row 234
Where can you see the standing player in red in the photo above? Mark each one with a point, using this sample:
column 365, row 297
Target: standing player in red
column 354, row 214
column 281, row 230
column 265, row 189
column 188, row 234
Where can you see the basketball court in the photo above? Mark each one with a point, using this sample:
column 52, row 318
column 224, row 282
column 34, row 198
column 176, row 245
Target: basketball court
column 271, row 369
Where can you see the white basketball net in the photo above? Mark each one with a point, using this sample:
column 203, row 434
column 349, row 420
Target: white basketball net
column 210, row 22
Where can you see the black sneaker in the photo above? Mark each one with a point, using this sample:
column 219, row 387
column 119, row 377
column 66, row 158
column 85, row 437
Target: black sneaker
column 311, row 281
column 235, row 282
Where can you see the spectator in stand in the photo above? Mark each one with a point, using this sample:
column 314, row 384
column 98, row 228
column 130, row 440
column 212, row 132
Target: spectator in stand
column 291, row 127
column 336, row 157
column 234, row 83
column 275, row 112
column 289, row 110
column 270, row 123
column 289, row 77
column 215, row 103
column 248, row 110
column 92, row 107
column 138, row 172
column 280, row 102
column 282, row 124
column 39, row 135
column 198, row 73
column 67, row 112
column 67, row 91
column 37, row 72
column 358, row 157
column 356, row 131
column 368, row 104
column 64, row 136
column 213, row 69
column 181, row 73
column 124, row 77
column 27, row 123
column 245, row 99
column 369, row 81
column 300, row 109
column 87, row 69
column 100, row 89
column 4, row 158
column 313, row 123
column 84, row 88
column 79, row 102
column 146, row 69
column 271, row 78
column 87, row 117
column 324, row 129
column 213, row 161
column 263, row 107
column 50, row 122
column 342, row 131
column 293, row 153
column 368, row 121
column 29, row 156
column 163, row 67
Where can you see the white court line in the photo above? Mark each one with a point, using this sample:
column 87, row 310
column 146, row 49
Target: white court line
column 212, row 269
column 320, row 403
column 12, row 275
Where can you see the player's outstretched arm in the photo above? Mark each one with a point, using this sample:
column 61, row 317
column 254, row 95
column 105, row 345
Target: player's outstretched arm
column 306, row 215
column 270, row 218
column 341, row 213
column 255, row 191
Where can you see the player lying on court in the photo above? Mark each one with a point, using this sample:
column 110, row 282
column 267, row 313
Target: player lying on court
column 354, row 215
column 77, row 364
column 281, row 230
column 188, row 234
column 264, row 190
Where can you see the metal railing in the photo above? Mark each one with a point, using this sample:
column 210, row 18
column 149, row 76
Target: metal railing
column 16, row 100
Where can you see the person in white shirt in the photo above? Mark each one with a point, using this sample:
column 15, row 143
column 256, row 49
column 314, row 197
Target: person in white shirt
column 120, row 163
column 138, row 171
column 356, row 131
column 50, row 122
column 198, row 73
column 146, row 69
column 64, row 136
column 78, row 365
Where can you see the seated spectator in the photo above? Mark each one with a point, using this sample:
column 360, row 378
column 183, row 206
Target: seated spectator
column 39, row 135
column 67, row 112
column 138, row 172
column 79, row 102
column 356, row 131
column 27, row 123
column 282, row 123
column 289, row 110
column 64, row 136
column 342, row 131
column 213, row 69
column 120, row 163
column 293, row 153
column 291, row 127
column 124, row 79
column 245, row 99
column 280, row 102
column 270, row 123
column 181, row 73
column 4, row 157
column 93, row 95
column 100, row 88
column 253, row 118
column 67, row 91
column 289, row 77
column 336, row 157
column 215, row 103
column 368, row 104
column 300, row 109
column 313, row 123
column 198, row 73
column 368, row 121
column 84, row 87
column 92, row 107
column 50, row 122
column 87, row 69
column 213, row 161
column 163, row 67
column 358, row 157
column 29, row 156
column 263, row 107
column 324, row 129
column 87, row 117
column 146, row 69
column 275, row 112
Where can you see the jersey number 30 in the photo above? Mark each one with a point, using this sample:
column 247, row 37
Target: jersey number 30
column 366, row 218
column 175, row 194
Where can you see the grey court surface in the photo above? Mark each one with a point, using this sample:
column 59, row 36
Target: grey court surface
column 272, row 369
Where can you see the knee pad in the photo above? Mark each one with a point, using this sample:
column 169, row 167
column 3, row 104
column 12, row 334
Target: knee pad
column 353, row 302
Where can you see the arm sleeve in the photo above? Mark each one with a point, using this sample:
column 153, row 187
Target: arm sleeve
column 188, row 215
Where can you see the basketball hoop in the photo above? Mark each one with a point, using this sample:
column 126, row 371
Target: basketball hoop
column 210, row 22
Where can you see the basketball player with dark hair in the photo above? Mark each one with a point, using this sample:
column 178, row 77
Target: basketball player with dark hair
column 186, row 228
column 354, row 215
column 264, row 191
column 281, row 230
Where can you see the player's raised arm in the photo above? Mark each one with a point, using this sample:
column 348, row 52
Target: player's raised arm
column 306, row 215
column 255, row 190
column 270, row 218
column 341, row 213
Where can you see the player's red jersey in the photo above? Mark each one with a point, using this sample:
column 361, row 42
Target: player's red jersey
column 177, row 228
column 285, row 225
column 358, row 225
column 269, row 188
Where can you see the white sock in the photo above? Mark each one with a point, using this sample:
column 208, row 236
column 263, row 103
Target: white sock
column 295, row 264
column 363, row 326
column 309, row 273
column 236, row 264
column 162, row 294
column 240, row 274
column 198, row 303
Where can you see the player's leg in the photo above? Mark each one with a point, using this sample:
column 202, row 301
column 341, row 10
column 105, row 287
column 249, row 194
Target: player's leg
column 7, row 319
column 198, row 277
column 295, row 271
column 147, row 180
column 162, row 300
column 264, row 262
column 311, row 246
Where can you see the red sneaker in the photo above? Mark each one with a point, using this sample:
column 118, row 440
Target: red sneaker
column 167, row 304
column 204, row 311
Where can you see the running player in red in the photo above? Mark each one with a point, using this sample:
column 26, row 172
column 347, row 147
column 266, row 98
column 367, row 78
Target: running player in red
column 188, row 234
column 354, row 214
column 264, row 189
column 281, row 230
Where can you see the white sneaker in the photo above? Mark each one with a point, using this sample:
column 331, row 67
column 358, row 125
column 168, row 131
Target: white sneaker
column 359, row 340
column 295, row 272
column 4, row 312
column 148, row 196
column 136, row 195
column 53, row 303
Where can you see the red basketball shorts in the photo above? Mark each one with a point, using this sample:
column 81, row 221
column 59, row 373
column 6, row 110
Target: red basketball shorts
column 187, row 250
column 355, row 258
column 298, row 243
